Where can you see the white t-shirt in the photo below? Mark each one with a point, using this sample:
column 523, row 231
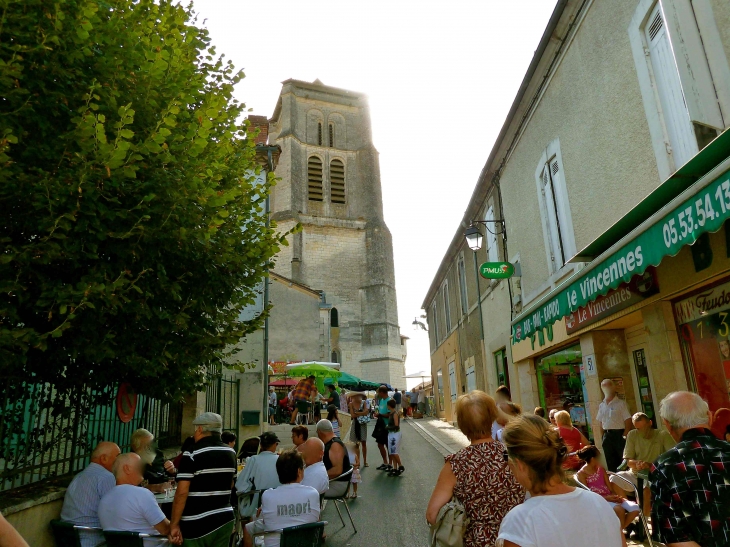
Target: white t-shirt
column 613, row 415
column 564, row 520
column 130, row 508
column 290, row 505
column 315, row 475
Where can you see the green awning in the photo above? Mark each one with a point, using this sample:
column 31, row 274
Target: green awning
column 702, row 207
column 701, row 164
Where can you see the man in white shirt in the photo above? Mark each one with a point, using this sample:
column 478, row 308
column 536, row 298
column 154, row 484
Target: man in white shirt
column 315, row 474
column 81, row 502
column 129, row 508
column 258, row 474
column 615, row 423
column 291, row 504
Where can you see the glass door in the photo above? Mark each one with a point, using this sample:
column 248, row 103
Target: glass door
column 642, row 377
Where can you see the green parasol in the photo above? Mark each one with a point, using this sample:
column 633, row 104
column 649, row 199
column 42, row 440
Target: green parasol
column 313, row 369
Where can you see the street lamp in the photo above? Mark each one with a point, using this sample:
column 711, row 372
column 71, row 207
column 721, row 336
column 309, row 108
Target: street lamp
column 474, row 238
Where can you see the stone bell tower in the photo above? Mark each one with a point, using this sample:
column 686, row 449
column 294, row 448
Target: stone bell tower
column 330, row 184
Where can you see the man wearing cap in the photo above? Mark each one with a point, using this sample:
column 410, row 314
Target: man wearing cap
column 202, row 515
column 258, row 474
column 301, row 396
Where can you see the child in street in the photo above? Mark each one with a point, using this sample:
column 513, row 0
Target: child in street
column 353, row 452
column 334, row 417
column 394, row 436
column 595, row 477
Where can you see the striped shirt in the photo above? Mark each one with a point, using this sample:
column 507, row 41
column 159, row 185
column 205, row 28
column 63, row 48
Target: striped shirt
column 81, row 503
column 210, row 467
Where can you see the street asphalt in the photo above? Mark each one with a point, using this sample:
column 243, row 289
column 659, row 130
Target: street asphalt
column 389, row 511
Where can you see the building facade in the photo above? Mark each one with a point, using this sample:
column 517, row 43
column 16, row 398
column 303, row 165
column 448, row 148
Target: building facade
column 330, row 186
column 609, row 175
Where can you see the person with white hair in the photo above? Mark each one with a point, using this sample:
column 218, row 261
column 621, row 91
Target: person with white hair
column 689, row 482
column 158, row 470
column 615, row 423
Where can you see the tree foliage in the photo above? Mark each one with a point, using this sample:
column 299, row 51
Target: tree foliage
column 131, row 233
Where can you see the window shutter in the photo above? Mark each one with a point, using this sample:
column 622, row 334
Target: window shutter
column 337, row 181
column 314, row 178
column 447, row 308
column 691, row 62
column 561, row 205
column 548, row 194
column 492, row 250
column 669, row 89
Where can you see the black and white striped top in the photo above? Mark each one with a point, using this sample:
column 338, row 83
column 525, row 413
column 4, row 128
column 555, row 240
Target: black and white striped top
column 210, row 467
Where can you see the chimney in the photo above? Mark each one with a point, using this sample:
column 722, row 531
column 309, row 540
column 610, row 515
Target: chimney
column 262, row 124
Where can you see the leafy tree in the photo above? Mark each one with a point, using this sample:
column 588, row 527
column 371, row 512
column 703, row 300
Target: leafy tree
column 131, row 233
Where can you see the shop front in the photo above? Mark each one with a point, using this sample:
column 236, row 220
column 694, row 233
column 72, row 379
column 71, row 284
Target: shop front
column 651, row 310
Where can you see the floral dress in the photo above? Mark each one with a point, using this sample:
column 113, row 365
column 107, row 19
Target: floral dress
column 486, row 487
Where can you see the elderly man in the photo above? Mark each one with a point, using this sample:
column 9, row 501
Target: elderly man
column 315, row 474
column 81, row 503
column 258, row 474
column 336, row 459
column 615, row 423
column 301, row 396
column 157, row 467
column 644, row 445
column 690, row 481
column 128, row 508
column 201, row 511
column 291, row 504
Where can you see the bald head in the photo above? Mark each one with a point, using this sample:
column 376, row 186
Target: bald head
column 127, row 469
column 312, row 450
column 104, row 454
column 683, row 410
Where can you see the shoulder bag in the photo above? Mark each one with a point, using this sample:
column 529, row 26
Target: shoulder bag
column 451, row 522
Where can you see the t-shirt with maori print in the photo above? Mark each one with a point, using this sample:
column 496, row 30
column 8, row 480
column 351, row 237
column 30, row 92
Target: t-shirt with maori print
column 486, row 487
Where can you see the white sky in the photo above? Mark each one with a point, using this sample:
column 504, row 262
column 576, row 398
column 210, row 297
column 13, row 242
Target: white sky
column 440, row 76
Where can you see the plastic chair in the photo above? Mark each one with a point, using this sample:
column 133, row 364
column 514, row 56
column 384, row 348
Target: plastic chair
column 67, row 534
column 342, row 498
column 126, row 539
column 304, row 535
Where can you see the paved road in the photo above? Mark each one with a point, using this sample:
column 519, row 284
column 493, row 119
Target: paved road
column 390, row 511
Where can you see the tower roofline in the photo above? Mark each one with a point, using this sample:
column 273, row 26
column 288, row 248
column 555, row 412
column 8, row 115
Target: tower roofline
column 316, row 85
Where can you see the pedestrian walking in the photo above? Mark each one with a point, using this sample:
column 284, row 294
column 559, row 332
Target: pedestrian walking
column 414, row 401
column 555, row 515
column 202, row 515
column 615, row 423
column 360, row 412
column 394, row 438
column 380, row 432
column 477, row 475
column 398, row 398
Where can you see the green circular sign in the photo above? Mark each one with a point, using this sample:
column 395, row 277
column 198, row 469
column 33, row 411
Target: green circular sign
column 496, row 270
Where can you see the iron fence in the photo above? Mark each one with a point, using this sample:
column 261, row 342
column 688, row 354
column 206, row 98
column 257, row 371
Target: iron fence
column 45, row 433
column 222, row 397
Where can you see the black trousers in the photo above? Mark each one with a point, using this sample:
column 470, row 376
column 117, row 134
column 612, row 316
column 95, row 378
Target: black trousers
column 613, row 448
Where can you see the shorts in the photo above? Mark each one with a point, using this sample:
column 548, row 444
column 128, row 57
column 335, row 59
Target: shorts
column 399, row 408
column 628, row 506
column 303, row 406
column 394, row 442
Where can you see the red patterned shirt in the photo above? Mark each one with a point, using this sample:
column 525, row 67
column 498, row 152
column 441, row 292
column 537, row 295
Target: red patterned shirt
column 487, row 488
column 303, row 390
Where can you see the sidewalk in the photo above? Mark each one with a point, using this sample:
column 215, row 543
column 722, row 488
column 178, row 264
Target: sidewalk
column 448, row 439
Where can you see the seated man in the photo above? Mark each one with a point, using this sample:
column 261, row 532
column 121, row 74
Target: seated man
column 157, row 470
column 315, row 474
column 81, row 503
column 291, row 504
column 335, row 459
column 643, row 446
column 258, row 474
column 299, row 434
column 689, row 482
column 128, row 508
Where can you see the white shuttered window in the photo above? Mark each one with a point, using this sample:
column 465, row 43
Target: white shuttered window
column 492, row 249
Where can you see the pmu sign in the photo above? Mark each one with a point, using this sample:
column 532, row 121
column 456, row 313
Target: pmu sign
column 496, row 270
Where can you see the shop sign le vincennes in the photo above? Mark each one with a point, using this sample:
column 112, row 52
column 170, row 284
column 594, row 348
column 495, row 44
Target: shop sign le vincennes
column 623, row 296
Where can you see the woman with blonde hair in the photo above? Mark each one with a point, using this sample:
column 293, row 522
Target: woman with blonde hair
column 548, row 518
column 477, row 475
column 574, row 439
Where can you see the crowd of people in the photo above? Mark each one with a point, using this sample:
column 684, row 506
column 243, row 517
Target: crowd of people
column 525, row 480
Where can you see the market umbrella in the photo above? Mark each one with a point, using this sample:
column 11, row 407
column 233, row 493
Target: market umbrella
column 421, row 374
column 345, row 380
column 317, row 370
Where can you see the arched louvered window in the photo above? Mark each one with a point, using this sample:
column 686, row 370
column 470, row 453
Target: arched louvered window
column 337, row 181
column 319, row 134
column 314, row 179
column 332, row 135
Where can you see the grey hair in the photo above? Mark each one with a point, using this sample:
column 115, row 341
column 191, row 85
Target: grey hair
column 137, row 437
column 684, row 410
column 211, row 429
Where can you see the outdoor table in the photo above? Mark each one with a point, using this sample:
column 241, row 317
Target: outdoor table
column 165, row 501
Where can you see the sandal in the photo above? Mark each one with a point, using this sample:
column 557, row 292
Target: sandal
column 383, row 467
column 401, row 469
column 366, row 464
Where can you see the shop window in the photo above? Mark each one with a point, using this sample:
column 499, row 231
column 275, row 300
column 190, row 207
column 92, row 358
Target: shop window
column 492, row 249
column 500, row 362
column 704, row 323
column 642, row 377
column 452, row 381
column 462, row 286
column 334, row 318
column 447, row 307
column 560, row 385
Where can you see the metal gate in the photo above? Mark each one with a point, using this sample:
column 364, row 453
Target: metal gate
column 222, row 397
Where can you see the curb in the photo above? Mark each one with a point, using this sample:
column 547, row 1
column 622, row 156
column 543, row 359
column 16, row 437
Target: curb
column 437, row 443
